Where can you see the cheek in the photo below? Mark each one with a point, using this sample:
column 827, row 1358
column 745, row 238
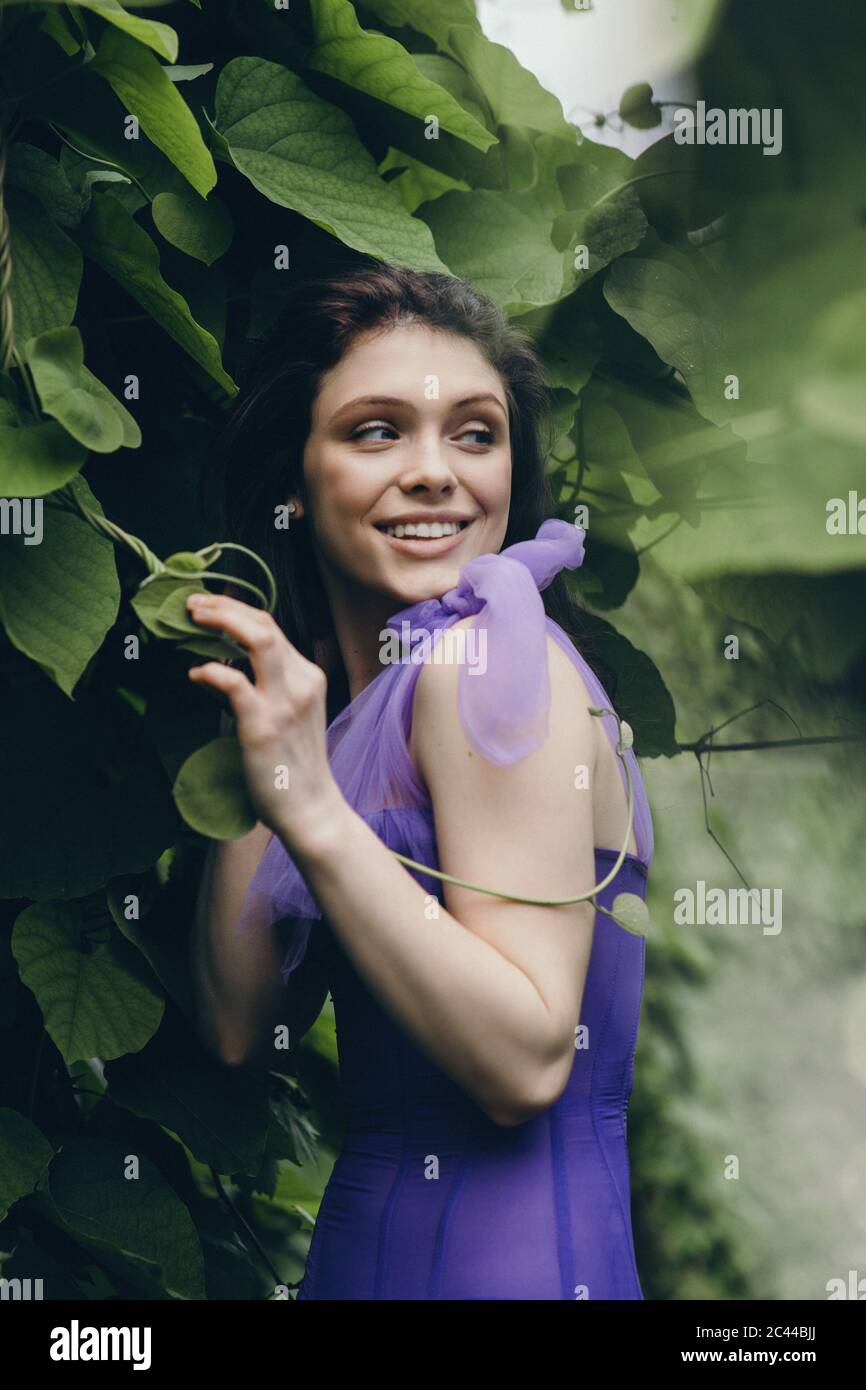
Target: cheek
column 496, row 485
column 339, row 490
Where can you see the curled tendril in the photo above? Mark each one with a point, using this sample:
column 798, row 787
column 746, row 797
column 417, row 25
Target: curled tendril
column 624, row 742
column 156, row 568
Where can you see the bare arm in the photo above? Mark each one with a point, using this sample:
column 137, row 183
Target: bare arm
column 490, row 989
column 237, row 989
column 236, row 984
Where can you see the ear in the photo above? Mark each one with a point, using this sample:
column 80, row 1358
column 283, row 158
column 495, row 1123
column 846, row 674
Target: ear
column 296, row 507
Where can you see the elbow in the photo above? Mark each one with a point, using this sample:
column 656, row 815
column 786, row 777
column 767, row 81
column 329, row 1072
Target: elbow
column 225, row 1048
column 519, row 1105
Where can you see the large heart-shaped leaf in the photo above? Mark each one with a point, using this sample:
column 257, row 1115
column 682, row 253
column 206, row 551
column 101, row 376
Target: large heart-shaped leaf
column 144, row 1220
column 95, row 996
column 303, row 153
column 59, row 598
column 672, row 302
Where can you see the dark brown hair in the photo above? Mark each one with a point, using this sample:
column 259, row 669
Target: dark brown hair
column 267, row 426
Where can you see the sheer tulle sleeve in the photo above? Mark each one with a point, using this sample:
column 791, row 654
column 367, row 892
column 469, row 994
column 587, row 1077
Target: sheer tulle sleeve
column 504, row 692
column 504, row 709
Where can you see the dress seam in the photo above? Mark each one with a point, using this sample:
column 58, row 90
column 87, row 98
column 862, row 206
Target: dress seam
column 435, row 1282
column 598, row 1139
column 561, row 1206
column 390, row 1200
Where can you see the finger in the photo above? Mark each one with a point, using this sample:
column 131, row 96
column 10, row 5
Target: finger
column 254, row 629
column 240, row 692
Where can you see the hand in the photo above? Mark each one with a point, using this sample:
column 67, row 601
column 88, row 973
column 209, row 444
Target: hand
column 280, row 721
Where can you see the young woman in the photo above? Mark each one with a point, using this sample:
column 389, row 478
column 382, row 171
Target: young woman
column 486, row 1045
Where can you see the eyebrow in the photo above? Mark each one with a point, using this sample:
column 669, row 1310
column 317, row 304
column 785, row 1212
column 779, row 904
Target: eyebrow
column 397, row 400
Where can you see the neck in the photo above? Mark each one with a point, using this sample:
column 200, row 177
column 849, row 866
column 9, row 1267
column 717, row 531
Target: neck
column 358, row 619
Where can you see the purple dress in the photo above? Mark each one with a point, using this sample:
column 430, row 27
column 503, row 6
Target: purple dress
column 428, row 1198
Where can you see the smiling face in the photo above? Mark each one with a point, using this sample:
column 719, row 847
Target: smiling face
column 409, row 432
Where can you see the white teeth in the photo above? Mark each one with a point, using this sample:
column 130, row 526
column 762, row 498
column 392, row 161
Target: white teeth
column 424, row 530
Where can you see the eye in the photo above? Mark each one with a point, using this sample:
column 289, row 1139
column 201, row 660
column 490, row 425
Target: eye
column 364, row 430
column 480, row 429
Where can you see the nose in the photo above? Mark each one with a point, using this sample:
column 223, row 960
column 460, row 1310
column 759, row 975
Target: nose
column 429, row 470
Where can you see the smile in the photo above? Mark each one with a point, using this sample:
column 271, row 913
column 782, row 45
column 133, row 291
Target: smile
column 424, row 537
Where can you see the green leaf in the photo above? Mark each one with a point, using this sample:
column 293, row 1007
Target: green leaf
column 642, row 698
column 201, row 229
column 210, row 791
column 140, row 1218
column 418, row 183
column 514, row 95
column 569, row 343
column 221, row 1114
column 59, row 598
column 111, row 237
column 455, row 79
column 160, row 37
column 674, row 302
column 137, row 79
column 159, row 933
column 377, row 65
column 25, row 1154
column 85, row 109
column 290, row 144
column 77, row 399
column 44, row 178
column 36, row 459
column 435, row 20
column 819, row 619
column 57, row 28
column 46, row 268
column 94, row 995
column 632, row 913
column 638, row 109
column 601, row 212
column 520, row 157
column 187, row 72
column 160, row 603
column 500, row 241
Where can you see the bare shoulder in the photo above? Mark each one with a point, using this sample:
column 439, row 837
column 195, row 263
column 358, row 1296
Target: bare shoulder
column 435, row 716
